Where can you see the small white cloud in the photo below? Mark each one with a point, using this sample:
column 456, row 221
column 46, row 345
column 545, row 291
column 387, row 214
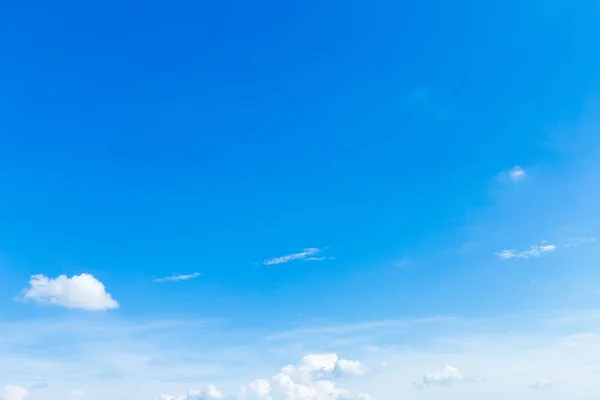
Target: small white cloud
column 178, row 277
column 309, row 254
column 364, row 396
column 211, row 393
column 10, row 392
column 81, row 291
column 517, row 173
column 77, row 392
column 312, row 390
column 534, row 251
column 312, row 365
column 350, row 368
column 261, row 389
column 444, row 377
column 572, row 242
column 542, row 385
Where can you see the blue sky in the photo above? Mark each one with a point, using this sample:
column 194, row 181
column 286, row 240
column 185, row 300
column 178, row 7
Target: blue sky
column 282, row 180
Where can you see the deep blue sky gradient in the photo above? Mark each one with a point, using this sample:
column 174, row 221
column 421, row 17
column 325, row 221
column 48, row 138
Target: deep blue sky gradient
column 140, row 139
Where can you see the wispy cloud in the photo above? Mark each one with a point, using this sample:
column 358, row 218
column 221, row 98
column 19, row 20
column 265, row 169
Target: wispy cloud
column 444, row 377
column 308, row 254
column 532, row 252
column 178, row 277
column 368, row 327
column 572, row 242
column 517, row 173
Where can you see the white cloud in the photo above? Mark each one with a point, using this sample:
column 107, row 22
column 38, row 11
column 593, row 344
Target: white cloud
column 443, row 377
column 312, row 390
column 572, row 242
column 178, row 277
column 211, row 393
column 326, row 365
column 319, row 362
column 309, row 254
column 312, row 366
column 10, row 392
column 534, row 251
column 517, row 173
column 261, row 389
column 311, row 379
column 81, row 291
column 77, row 392
column 350, row 368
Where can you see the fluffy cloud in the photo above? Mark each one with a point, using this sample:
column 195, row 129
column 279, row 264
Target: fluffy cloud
column 211, row 393
column 517, row 173
column 350, row 368
column 14, row 393
column 81, row 291
column 77, row 392
column 312, row 390
column 310, row 379
column 534, row 251
column 313, row 364
column 443, row 377
column 324, row 366
column 260, row 389
column 309, row 254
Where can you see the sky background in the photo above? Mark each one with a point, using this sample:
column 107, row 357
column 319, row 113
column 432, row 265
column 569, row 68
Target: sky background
column 230, row 187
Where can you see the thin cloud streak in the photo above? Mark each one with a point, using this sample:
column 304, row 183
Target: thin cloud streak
column 178, row 277
column 533, row 252
column 572, row 242
column 367, row 326
column 308, row 254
